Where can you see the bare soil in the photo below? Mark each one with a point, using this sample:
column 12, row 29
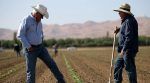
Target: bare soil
column 90, row 64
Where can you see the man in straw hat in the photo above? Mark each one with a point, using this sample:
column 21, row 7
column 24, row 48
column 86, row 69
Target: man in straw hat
column 127, row 45
column 31, row 35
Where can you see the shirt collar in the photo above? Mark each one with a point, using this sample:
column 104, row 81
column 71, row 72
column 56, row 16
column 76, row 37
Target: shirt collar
column 32, row 17
column 125, row 18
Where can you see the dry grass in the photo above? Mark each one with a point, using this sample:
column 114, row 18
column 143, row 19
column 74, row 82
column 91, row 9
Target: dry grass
column 90, row 64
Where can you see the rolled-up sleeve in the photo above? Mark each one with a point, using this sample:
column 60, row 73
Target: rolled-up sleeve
column 21, row 34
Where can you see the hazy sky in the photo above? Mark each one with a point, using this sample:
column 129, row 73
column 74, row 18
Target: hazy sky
column 68, row 11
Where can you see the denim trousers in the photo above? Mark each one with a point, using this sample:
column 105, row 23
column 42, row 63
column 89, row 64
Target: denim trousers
column 31, row 59
column 128, row 61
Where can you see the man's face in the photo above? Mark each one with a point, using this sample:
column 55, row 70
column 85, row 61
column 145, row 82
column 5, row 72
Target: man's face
column 122, row 15
column 38, row 17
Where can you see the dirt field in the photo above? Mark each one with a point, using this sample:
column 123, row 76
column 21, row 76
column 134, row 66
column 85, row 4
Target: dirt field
column 83, row 65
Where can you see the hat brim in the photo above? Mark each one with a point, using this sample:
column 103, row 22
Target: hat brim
column 46, row 15
column 125, row 11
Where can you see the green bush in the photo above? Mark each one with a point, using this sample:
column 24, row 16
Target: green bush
column 87, row 42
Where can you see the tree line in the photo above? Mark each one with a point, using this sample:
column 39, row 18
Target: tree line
column 86, row 42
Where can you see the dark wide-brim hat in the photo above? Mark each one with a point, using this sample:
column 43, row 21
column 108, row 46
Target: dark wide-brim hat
column 124, row 8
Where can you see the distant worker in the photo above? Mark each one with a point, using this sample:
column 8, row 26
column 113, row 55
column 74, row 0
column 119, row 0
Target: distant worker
column 17, row 49
column 55, row 49
column 127, row 45
column 30, row 34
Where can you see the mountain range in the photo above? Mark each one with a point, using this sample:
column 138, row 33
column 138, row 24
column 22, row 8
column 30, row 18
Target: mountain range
column 89, row 29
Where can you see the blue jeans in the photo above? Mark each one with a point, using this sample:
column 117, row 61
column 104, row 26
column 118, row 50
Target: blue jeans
column 129, row 61
column 42, row 53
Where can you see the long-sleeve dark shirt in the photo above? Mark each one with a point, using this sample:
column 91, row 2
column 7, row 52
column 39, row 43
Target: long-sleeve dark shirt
column 128, row 35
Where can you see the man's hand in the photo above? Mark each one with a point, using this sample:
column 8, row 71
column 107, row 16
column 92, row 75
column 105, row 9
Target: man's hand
column 116, row 30
column 30, row 49
column 121, row 54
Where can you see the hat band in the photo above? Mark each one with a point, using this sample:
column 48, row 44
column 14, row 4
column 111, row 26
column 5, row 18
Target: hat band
column 125, row 9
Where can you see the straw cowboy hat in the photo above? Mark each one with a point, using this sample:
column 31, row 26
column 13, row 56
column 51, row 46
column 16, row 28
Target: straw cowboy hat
column 124, row 8
column 41, row 9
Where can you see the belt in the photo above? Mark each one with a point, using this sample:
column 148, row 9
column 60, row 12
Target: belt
column 36, row 45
